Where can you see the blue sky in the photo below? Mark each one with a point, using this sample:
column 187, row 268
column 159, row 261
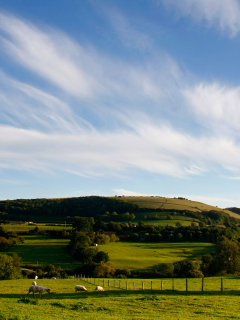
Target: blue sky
column 120, row 97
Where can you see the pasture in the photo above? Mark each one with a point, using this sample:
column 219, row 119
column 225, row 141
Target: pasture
column 147, row 256
column 132, row 255
column 173, row 204
column 119, row 303
column 25, row 227
column 44, row 250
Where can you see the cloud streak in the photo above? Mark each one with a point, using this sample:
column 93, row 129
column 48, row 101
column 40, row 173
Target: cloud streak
column 220, row 14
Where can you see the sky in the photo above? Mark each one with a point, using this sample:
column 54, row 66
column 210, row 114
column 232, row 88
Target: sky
column 120, row 97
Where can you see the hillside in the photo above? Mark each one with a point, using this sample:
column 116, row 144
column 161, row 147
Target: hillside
column 174, row 204
column 59, row 209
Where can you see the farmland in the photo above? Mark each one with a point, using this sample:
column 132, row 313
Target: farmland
column 133, row 255
column 118, row 303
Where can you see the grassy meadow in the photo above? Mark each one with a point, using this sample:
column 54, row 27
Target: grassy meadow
column 146, row 256
column 119, row 303
column 44, row 250
column 133, row 255
column 26, row 227
column 174, row 204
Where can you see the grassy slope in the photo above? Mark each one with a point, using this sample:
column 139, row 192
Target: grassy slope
column 45, row 251
column 174, row 204
column 133, row 255
column 117, row 303
column 26, row 227
column 146, row 256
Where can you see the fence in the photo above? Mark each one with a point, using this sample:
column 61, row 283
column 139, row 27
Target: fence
column 188, row 285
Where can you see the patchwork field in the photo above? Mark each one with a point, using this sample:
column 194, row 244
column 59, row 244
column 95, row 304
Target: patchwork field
column 146, row 256
column 45, row 251
column 119, row 303
column 174, row 204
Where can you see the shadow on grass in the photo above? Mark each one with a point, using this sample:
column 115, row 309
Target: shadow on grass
column 119, row 294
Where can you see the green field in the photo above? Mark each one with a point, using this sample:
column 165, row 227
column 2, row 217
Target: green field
column 117, row 303
column 173, row 204
column 44, row 250
column 26, row 227
column 146, row 256
column 133, row 255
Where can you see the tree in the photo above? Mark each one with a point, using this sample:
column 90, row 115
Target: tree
column 178, row 224
column 105, row 270
column 166, row 269
column 4, row 245
column 188, row 269
column 9, row 267
column 101, row 256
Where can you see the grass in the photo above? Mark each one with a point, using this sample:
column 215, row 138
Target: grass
column 174, row 204
column 146, row 256
column 44, row 250
column 115, row 303
column 26, row 227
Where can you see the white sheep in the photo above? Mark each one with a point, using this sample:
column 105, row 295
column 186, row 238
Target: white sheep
column 80, row 288
column 34, row 283
column 39, row 289
column 98, row 288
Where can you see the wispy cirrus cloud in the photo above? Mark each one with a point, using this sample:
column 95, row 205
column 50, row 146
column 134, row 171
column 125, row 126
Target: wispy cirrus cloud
column 133, row 125
column 220, row 14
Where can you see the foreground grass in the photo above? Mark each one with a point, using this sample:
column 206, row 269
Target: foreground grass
column 146, row 256
column 117, row 303
column 44, row 250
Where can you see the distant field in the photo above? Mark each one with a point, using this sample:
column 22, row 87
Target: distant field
column 146, row 256
column 26, row 227
column 119, row 304
column 45, row 251
column 174, row 204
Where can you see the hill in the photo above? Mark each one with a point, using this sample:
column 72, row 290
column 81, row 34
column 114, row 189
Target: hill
column 95, row 206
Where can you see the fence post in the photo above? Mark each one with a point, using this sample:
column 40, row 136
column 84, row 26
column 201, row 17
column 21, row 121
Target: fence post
column 143, row 285
column 126, row 285
column 173, row 284
column 202, row 284
column 119, row 283
column 84, row 277
column 161, row 285
column 108, row 283
column 221, row 284
column 151, row 285
column 81, row 276
column 133, row 285
column 99, row 282
column 103, row 282
column 114, row 283
column 186, row 284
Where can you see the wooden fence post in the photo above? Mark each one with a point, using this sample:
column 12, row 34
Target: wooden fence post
column 221, row 284
column 114, row 283
column 126, row 285
column 151, row 285
column 143, row 285
column 88, row 279
column 173, row 284
column 186, row 284
column 103, row 282
column 99, row 282
column 119, row 283
column 161, row 285
column 202, row 284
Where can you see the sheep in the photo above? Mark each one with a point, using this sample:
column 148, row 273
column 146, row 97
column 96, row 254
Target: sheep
column 39, row 289
column 98, row 288
column 80, row 288
column 34, row 283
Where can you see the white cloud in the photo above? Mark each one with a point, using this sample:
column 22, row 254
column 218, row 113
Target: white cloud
column 220, row 14
column 215, row 105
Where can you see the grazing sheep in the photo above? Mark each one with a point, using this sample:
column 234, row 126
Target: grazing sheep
column 80, row 288
column 36, row 277
column 54, row 278
column 34, row 283
column 39, row 289
column 98, row 288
